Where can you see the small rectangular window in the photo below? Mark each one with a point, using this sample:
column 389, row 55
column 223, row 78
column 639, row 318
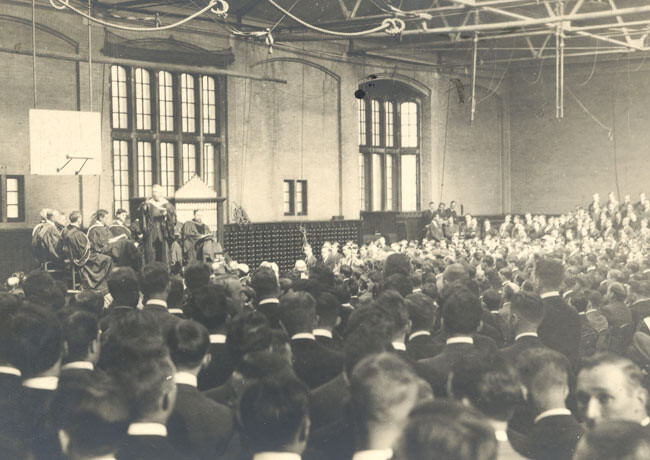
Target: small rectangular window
column 15, row 188
column 189, row 162
column 289, row 200
column 167, row 181
column 409, row 128
column 145, row 174
column 142, row 99
column 301, row 197
column 188, row 115
column 165, row 101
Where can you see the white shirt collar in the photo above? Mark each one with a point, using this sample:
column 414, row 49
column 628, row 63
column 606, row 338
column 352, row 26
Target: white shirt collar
column 567, row 293
column 185, row 378
column 377, row 454
column 525, row 334
column 399, row 346
column 347, row 305
column 501, row 435
column 79, row 365
column 175, row 311
column 323, row 333
column 303, row 335
column 42, row 383
column 418, row 334
column 552, row 412
column 550, row 294
column 147, row 429
column 10, row 370
column 276, row 456
column 452, row 340
column 217, row 338
column 104, row 457
column 159, row 302
column 645, row 421
column 417, row 290
column 265, row 301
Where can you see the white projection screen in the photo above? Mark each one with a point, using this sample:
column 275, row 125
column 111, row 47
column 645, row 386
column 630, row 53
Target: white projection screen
column 61, row 141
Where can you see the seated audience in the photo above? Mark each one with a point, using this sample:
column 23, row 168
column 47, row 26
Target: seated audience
column 198, row 426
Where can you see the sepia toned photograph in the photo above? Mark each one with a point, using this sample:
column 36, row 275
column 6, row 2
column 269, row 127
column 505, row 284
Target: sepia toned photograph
column 324, row 229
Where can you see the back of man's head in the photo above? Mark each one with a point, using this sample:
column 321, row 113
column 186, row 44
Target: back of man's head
column 89, row 301
column 328, row 309
column 527, row 308
column 397, row 263
column 322, row 274
column 188, row 343
column 209, row 306
column 81, row 333
column 264, row 283
column 614, row 440
column 93, row 417
column 38, row 287
column 298, row 312
column 397, row 282
column 544, row 372
column 274, row 414
column 364, row 341
column 447, row 430
column 454, row 273
column 549, row 273
column 124, row 287
column 392, row 304
column 461, row 311
column 249, row 331
column 196, row 274
column 493, row 387
column 37, row 341
column 421, row 311
column 384, row 389
column 154, row 279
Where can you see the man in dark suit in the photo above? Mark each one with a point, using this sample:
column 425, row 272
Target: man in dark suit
column 427, row 217
column 36, row 350
column 209, row 307
column 527, row 313
column 384, row 389
column 313, row 363
column 155, row 284
column 124, row 288
column 641, row 306
column 328, row 309
column 148, row 379
column 422, row 314
column 555, row 431
column 93, row 417
column 265, row 284
column 615, row 310
column 461, row 316
column 391, row 304
column 612, row 387
column 81, row 335
column 274, row 417
column 198, row 426
column 560, row 329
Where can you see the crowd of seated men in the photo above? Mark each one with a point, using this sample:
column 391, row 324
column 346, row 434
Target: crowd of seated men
column 503, row 347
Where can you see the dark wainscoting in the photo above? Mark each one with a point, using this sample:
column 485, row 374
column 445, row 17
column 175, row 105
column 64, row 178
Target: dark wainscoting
column 281, row 242
column 15, row 252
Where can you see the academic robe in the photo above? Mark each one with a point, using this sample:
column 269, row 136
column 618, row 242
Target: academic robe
column 194, row 248
column 93, row 267
column 158, row 219
column 117, row 228
column 46, row 243
column 123, row 252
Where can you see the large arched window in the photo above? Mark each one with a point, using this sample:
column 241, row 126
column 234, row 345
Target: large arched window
column 389, row 147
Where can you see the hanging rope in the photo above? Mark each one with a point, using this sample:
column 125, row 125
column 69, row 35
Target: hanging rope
column 593, row 67
column 222, row 11
column 609, row 130
column 392, row 26
column 444, row 149
column 496, row 88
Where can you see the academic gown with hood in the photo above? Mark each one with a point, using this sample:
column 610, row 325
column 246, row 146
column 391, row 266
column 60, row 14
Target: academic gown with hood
column 158, row 219
column 93, row 267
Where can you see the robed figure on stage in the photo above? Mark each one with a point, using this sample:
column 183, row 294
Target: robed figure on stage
column 157, row 221
column 198, row 241
column 46, row 239
column 120, row 248
column 93, row 267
